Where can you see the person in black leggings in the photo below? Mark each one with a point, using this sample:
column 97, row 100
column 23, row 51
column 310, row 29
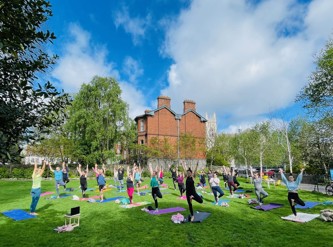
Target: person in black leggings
column 292, row 187
column 173, row 176
column 191, row 194
column 155, row 190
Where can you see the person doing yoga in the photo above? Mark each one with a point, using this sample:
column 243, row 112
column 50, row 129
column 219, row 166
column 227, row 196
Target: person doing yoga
column 293, row 187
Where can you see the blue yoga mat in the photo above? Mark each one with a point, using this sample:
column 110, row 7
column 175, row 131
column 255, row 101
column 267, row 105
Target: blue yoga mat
column 221, row 201
column 239, row 191
column 18, row 214
column 307, row 205
column 61, row 196
column 111, row 199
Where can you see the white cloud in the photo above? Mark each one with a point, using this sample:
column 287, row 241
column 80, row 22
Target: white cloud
column 81, row 60
column 134, row 26
column 244, row 61
column 132, row 69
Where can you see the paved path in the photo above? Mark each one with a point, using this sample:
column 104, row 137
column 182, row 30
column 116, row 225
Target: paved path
column 311, row 187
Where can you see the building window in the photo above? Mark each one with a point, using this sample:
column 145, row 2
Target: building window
column 142, row 125
column 142, row 142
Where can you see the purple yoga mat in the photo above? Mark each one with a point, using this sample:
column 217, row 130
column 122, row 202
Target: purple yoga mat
column 268, row 206
column 166, row 210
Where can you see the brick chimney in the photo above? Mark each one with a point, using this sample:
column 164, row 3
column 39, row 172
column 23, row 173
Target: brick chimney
column 189, row 105
column 163, row 101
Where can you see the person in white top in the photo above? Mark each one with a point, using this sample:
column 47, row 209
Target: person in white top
column 215, row 184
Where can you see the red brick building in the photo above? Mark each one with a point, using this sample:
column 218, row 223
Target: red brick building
column 163, row 123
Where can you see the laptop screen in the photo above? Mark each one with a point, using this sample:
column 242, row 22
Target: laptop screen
column 75, row 210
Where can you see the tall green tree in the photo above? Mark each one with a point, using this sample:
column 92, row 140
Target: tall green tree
column 318, row 94
column 28, row 106
column 98, row 119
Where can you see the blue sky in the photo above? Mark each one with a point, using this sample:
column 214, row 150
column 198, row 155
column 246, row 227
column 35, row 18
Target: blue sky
column 245, row 60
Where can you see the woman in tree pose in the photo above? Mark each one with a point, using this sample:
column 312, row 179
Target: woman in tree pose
column 155, row 190
column 101, row 181
column 230, row 180
column 215, row 185
column 65, row 175
column 36, row 187
column 83, row 179
column 173, row 175
column 160, row 175
column 58, row 178
column 292, row 187
column 130, row 184
column 180, row 181
column 191, row 194
column 137, row 177
column 257, row 180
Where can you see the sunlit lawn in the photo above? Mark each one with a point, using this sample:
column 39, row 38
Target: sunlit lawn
column 107, row 224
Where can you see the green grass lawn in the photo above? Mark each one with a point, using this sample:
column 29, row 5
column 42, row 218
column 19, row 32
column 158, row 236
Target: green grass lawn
column 106, row 224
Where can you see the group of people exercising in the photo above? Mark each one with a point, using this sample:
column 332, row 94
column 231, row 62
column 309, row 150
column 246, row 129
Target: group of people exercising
column 134, row 179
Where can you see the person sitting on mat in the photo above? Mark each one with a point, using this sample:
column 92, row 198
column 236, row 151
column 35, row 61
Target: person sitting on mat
column 258, row 189
column 83, row 179
column 293, row 187
column 230, row 179
column 130, row 184
column 191, row 194
column 215, row 185
column 58, row 178
column 36, row 187
column 155, row 190
column 101, row 182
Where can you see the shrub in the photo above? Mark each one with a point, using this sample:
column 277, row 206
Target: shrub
column 4, row 172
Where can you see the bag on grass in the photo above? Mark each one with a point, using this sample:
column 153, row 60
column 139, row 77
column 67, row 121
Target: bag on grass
column 177, row 218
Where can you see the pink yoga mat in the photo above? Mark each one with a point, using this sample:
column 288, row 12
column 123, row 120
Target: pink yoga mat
column 166, row 210
column 86, row 199
column 47, row 193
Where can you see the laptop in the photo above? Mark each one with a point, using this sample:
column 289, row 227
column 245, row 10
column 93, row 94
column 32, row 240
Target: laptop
column 74, row 211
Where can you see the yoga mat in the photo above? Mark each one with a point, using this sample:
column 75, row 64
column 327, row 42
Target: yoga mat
column 120, row 191
column 61, row 196
column 268, row 207
column 111, row 199
column 307, row 205
column 239, row 191
column 326, row 203
column 18, row 214
column 198, row 217
column 182, row 197
column 103, row 190
column 301, row 217
column 47, row 193
column 166, row 211
column 87, row 198
column 133, row 205
column 221, row 201
column 90, row 189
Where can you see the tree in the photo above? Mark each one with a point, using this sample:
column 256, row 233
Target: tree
column 98, row 120
column 318, row 94
column 27, row 108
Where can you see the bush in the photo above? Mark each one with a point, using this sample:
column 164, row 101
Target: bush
column 4, row 172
